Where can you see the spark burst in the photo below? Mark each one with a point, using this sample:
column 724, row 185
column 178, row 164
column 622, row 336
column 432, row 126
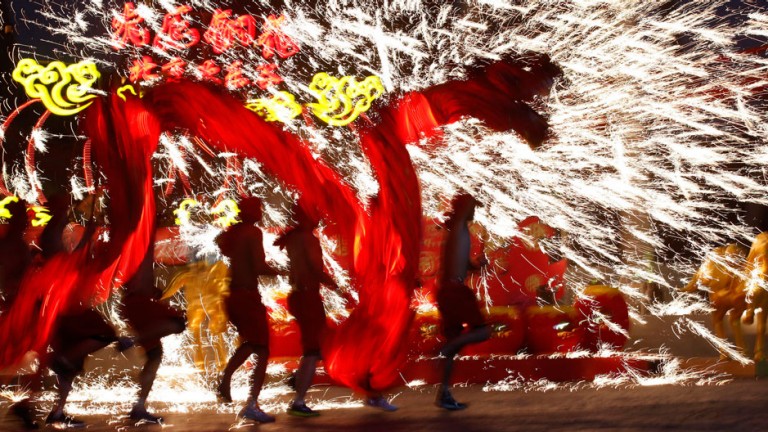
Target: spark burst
column 656, row 124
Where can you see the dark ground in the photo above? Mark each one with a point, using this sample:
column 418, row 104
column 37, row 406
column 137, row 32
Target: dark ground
column 738, row 405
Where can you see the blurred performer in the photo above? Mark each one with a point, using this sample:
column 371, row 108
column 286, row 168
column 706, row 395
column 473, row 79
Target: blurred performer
column 242, row 244
column 721, row 276
column 78, row 332
column 151, row 320
column 205, row 288
column 15, row 258
column 455, row 301
column 752, row 281
column 304, row 302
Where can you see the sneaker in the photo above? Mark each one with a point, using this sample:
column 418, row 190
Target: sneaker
column 24, row 411
column 141, row 415
column 379, row 402
column 62, row 421
column 446, row 401
column 223, row 393
column 253, row 412
column 302, row 410
column 124, row 343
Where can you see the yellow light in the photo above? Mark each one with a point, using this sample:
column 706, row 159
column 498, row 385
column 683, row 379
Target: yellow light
column 182, row 213
column 4, row 212
column 63, row 89
column 281, row 106
column 228, row 211
column 342, row 100
column 128, row 87
column 41, row 216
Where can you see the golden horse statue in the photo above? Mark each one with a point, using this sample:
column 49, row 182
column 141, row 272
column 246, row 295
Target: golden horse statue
column 753, row 283
column 205, row 288
column 721, row 276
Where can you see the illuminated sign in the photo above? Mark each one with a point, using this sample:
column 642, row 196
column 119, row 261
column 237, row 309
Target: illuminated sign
column 127, row 28
column 128, row 87
column 225, row 212
column 341, row 100
column 183, row 215
column 274, row 41
column 224, row 32
column 42, row 215
column 176, row 32
column 282, row 106
column 4, row 212
column 63, row 89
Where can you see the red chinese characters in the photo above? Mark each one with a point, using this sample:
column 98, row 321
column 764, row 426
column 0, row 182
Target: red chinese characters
column 208, row 70
column 174, row 68
column 224, row 31
column 234, row 78
column 273, row 41
column 143, row 69
column 177, row 32
column 126, row 28
column 267, row 76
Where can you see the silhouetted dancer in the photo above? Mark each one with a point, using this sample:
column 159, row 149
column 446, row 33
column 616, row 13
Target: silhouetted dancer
column 455, row 301
column 78, row 332
column 305, row 303
column 151, row 321
column 15, row 258
column 242, row 244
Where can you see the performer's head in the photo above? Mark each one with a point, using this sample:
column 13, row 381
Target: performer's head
column 250, row 210
column 462, row 208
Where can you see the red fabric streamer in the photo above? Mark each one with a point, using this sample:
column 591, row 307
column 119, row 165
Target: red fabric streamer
column 366, row 351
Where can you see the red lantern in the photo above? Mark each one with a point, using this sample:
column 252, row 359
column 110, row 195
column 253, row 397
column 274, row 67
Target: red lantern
column 601, row 303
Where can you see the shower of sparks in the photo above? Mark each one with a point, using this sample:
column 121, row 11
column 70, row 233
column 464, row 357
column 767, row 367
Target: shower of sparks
column 655, row 125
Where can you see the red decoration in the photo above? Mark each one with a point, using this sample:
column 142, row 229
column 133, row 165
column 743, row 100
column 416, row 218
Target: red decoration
column 176, row 32
column 126, row 29
column 521, row 268
column 609, row 302
column 142, row 69
column 552, row 329
column 267, row 76
column 223, row 30
column 174, row 68
column 209, row 69
column 234, row 77
column 273, row 40
column 508, row 333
